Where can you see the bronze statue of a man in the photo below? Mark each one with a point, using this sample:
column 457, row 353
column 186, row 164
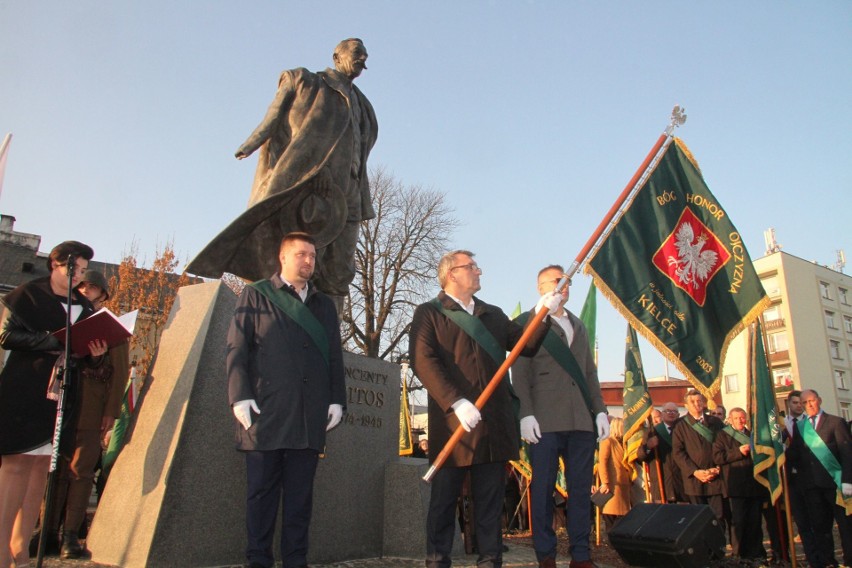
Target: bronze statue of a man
column 311, row 176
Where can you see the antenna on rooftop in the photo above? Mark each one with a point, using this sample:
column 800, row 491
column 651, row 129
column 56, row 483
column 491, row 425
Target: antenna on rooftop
column 841, row 261
column 772, row 245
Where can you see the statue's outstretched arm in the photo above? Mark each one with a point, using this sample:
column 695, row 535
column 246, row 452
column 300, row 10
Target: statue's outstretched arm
column 279, row 105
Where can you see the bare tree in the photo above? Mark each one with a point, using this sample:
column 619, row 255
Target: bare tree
column 395, row 260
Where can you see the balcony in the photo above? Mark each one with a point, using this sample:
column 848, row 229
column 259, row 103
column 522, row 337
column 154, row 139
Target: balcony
column 779, row 357
column 774, row 324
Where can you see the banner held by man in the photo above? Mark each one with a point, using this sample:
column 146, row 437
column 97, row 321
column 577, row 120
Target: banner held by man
column 676, row 267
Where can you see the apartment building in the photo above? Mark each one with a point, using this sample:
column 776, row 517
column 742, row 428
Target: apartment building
column 809, row 334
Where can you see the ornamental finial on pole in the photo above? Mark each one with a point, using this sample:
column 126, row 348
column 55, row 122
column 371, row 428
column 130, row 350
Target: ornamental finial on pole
column 678, row 118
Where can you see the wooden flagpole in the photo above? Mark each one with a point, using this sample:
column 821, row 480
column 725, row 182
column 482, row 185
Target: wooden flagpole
column 660, row 475
column 677, row 119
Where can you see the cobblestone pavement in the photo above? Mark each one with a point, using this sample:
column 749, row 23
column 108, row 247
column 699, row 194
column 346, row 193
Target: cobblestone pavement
column 518, row 556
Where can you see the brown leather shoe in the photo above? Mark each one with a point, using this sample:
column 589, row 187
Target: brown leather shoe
column 547, row 563
column 582, row 564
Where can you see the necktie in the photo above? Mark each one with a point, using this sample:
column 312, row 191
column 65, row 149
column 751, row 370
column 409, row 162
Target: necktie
column 813, row 421
column 795, row 422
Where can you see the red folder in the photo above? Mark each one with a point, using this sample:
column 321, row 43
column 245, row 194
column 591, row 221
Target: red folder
column 103, row 325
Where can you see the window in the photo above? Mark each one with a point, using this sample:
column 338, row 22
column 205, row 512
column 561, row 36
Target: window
column 829, row 320
column 835, row 349
column 778, row 342
column 840, row 379
column 732, row 383
column 825, row 290
column 843, row 294
column 844, row 410
column 782, row 377
column 847, row 323
column 772, row 313
column 770, row 284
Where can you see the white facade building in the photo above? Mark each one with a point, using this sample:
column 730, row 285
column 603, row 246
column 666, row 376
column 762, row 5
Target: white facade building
column 809, row 334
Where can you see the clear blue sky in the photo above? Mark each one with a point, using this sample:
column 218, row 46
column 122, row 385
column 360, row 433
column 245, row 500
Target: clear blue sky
column 531, row 116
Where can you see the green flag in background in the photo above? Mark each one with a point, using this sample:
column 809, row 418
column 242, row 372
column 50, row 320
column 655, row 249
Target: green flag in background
column 767, row 447
column 676, row 267
column 589, row 313
column 637, row 401
column 516, row 312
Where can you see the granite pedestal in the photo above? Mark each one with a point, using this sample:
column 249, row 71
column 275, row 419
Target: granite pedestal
column 176, row 494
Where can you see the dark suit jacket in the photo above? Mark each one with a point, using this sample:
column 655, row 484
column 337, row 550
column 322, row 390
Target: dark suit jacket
column 452, row 366
column 27, row 416
column 737, row 470
column 692, row 452
column 804, row 465
column 272, row 359
column 672, row 481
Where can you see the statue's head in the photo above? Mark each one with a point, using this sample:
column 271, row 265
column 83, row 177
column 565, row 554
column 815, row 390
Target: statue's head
column 350, row 57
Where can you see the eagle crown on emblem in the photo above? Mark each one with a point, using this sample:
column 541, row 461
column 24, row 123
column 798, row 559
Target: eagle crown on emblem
column 693, row 264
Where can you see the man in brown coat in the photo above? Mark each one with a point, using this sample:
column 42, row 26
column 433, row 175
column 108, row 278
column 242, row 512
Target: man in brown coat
column 457, row 344
column 657, row 446
column 692, row 448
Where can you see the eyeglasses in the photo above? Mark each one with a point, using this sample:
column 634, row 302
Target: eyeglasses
column 471, row 266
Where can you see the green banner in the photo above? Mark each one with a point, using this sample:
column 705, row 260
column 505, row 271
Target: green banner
column 588, row 315
column 676, row 267
column 637, row 401
column 767, row 447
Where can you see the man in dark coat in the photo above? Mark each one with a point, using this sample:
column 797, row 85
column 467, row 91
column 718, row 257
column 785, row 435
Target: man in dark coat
column 819, row 459
column 286, row 388
column 692, row 448
column 562, row 415
column 457, row 344
column 732, row 452
column 657, row 446
column 311, row 176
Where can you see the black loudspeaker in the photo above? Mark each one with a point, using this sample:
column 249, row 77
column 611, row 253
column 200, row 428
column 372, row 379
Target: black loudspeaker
column 669, row 535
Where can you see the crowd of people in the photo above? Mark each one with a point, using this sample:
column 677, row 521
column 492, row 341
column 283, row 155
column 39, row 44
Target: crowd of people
column 457, row 344
column 702, row 457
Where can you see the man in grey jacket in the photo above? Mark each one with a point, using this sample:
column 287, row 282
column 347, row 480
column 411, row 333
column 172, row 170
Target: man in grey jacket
column 562, row 414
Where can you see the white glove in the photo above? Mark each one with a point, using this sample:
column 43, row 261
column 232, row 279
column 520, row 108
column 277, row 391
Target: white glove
column 530, row 430
column 846, row 489
column 335, row 413
column 242, row 410
column 467, row 414
column 602, row 422
column 551, row 301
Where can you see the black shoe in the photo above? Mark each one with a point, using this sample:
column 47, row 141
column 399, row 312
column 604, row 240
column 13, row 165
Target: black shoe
column 71, row 547
column 51, row 547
